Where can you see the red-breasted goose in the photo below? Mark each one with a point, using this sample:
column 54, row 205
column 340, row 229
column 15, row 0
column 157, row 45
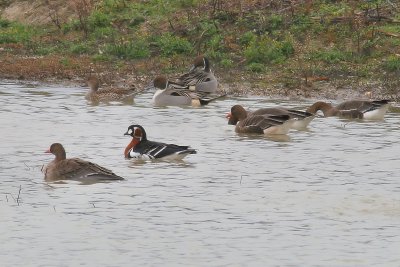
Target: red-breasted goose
column 141, row 148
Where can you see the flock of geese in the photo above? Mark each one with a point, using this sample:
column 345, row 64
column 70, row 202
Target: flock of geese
column 195, row 88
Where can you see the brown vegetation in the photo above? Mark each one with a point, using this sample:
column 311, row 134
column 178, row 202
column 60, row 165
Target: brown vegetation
column 343, row 66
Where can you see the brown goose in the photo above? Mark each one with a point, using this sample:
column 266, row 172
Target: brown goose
column 353, row 109
column 62, row 168
column 260, row 124
column 302, row 119
column 106, row 95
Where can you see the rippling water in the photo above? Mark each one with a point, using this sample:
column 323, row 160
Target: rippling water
column 328, row 196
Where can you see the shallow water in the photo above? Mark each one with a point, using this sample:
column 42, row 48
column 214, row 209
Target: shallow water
column 328, row 196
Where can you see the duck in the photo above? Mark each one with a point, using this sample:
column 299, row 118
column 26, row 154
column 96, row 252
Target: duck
column 200, row 77
column 171, row 93
column 353, row 109
column 302, row 118
column 262, row 123
column 141, row 148
column 108, row 94
column 77, row 169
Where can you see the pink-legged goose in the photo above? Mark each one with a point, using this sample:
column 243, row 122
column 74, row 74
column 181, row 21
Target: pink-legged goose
column 353, row 109
column 260, row 124
column 77, row 169
column 302, row 118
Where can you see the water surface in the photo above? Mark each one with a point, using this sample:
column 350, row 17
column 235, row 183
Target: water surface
column 328, row 196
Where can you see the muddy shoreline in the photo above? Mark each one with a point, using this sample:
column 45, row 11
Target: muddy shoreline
column 74, row 71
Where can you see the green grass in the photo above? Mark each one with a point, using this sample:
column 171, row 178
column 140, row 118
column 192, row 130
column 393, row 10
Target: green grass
column 134, row 49
column 392, row 64
column 261, row 39
column 65, row 62
column 247, row 38
column 226, row 63
column 80, row 48
column 169, row 45
column 330, row 56
column 4, row 23
column 266, row 50
column 391, row 28
column 104, row 33
column 17, row 33
column 336, row 9
column 45, row 50
column 255, row 67
column 99, row 20
column 301, row 24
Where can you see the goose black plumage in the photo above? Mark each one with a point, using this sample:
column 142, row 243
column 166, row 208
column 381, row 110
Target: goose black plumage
column 141, row 148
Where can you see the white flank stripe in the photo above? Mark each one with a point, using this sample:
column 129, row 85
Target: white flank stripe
column 155, row 155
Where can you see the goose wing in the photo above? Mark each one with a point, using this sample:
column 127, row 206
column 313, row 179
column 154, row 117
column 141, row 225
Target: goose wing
column 258, row 123
column 159, row 150
column 194, row 77
column 373, row 105
column 177, row 92
column 283, row 111
column 362, row 105
column 353, row 104
column 299, row 114
column 76, row 168
column 355, row 107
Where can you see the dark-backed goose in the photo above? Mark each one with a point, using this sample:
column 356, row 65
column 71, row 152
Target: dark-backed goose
column 141, row 148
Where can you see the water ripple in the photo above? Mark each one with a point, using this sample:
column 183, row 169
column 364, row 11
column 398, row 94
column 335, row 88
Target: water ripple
column 318, row 197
